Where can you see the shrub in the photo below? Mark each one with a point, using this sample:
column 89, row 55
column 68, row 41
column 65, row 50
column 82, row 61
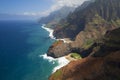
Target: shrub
column 75, row 56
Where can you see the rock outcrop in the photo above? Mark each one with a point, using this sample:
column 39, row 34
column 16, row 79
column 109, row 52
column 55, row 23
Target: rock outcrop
column 59, row 49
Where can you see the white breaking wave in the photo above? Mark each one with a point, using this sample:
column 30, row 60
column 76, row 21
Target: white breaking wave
column 50, row 59
column 62, row 61
column 51, row 34
column 49, row 30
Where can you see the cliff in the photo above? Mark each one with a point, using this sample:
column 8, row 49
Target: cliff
column 54, row 17
column 86, row 26
column 107, row 10
column 102, row 64
column 95, row 31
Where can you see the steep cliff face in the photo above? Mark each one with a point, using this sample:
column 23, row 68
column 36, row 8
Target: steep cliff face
column 103, row 63
column 87, row 26
column 92, row 33
column 107, row 10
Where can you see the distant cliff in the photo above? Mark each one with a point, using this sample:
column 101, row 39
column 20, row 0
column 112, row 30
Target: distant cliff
column 107, row 10
column 53, row 18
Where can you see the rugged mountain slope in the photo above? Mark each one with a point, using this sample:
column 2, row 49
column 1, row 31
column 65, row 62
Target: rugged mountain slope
column 102, row 64
column 94, row 25
column 54, row 17
column 107, row 10
column 95, row 31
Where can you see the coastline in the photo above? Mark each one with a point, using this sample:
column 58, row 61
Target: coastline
column 62, row 61
column 50, row 31
column 65, row 40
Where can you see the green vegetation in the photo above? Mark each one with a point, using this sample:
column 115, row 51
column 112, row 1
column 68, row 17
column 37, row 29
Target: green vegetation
column 88, row 43
column 57, row 73
column 75, row 56
column 56, row 42
column 116, row 22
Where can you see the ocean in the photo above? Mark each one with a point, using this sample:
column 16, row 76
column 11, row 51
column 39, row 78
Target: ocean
column 23, row 47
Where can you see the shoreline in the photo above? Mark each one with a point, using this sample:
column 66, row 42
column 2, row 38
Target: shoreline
column 65, row 40
column 50, row 31
column 61, row 61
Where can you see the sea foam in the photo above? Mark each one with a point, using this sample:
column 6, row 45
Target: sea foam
column 50, row 59
column 62, row 61
column 52, row 36
column 49, row 30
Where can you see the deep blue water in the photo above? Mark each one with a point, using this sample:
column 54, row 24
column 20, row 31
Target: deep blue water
column 21, row 43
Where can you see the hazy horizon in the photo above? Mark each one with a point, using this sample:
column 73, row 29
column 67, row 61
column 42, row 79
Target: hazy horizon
column 32, row 9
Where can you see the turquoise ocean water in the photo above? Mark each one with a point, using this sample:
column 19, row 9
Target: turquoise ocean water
column 21, row 44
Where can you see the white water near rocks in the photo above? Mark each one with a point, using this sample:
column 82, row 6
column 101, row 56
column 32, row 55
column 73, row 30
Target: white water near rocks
column 52, row 36
column 62, row 61
column 50, row 31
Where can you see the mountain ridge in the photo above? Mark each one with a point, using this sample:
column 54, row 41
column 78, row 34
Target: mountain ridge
column 94, row 29
column 76, row 21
